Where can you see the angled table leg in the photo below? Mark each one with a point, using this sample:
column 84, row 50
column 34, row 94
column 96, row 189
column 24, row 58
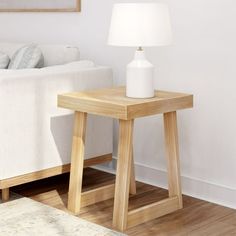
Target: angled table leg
column 123, row 172
column 172, row 152
column 77, row 162
column 122, row 218
column 132, row 188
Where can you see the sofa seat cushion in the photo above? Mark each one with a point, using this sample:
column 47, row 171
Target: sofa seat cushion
column 29, row 56
column 4, row 60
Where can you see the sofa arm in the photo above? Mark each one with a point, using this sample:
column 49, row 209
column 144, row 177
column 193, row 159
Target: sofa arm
column 35, row 133
column 68, row 79
column 26, row 92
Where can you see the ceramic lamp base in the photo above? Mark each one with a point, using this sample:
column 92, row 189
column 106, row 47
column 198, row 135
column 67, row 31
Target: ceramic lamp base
column 139, row 77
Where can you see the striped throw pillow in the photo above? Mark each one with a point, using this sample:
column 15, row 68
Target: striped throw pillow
column 4, row 60
column 29, row 56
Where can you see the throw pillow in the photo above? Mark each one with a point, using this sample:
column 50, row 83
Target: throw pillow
column 4, row 60
column 29, row 56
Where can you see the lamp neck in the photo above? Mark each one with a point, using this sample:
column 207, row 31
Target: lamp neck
column 139, row 54
column 140, row 49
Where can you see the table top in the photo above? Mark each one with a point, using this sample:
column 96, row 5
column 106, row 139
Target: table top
column 112, row 102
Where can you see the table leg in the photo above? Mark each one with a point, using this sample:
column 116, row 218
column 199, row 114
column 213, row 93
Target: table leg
column 172, row 152
column 123, row 172
column 132, row 188
column 77, row 162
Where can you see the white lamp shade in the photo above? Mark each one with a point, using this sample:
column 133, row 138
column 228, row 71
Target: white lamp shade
column 140, row 24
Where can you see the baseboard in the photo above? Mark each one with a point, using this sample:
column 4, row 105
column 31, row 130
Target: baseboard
column 222, row 195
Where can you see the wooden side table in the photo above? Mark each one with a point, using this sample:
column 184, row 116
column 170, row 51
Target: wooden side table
column 113, row 103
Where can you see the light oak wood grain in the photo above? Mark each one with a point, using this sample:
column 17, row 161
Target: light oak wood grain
column 123, row 172
column 77, row 199
column 172, row 153
column 97, row 195
column 114, row 103
column 152, row 211
column 77, row 162
column 132, row 189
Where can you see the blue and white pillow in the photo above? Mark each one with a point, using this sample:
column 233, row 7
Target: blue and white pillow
column 29, row 56
column 4, row 60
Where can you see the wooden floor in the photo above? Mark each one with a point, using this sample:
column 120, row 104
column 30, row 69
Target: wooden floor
column 198, row 217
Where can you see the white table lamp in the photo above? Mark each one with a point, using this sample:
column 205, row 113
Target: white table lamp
column 140, row 25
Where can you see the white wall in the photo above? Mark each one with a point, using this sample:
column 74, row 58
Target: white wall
column 201, row 61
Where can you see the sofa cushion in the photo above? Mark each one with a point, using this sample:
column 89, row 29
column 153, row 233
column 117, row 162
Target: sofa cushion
column 4, row 60
column 59, row 54
column 29, row 56
column 53, row 54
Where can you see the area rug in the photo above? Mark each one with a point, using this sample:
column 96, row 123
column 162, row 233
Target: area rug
column 25, row 217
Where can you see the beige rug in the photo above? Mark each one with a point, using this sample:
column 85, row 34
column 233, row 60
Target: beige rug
column 25, row 217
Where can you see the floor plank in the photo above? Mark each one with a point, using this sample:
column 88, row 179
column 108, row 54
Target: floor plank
column 197, row 218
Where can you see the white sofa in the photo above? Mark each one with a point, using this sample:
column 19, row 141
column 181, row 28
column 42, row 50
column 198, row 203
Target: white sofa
column 35, row 135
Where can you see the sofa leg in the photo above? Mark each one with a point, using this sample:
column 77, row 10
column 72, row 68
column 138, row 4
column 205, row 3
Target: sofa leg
column 5, row 194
